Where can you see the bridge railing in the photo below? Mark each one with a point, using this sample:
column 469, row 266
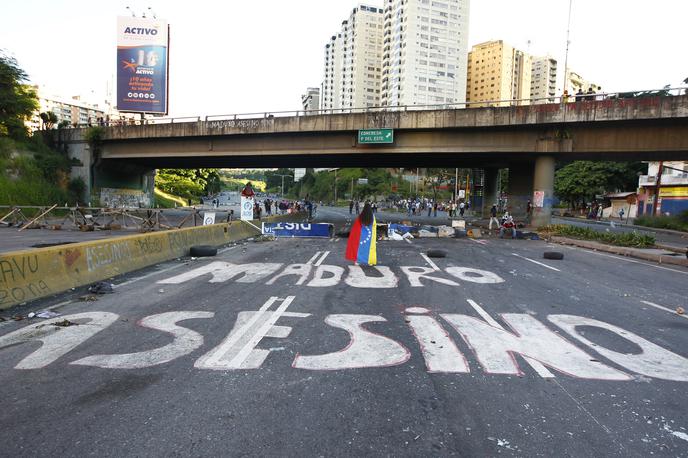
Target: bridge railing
column 563, row 99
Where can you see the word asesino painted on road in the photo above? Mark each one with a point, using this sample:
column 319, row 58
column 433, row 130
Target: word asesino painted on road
column 494, row 346
column 325, row 276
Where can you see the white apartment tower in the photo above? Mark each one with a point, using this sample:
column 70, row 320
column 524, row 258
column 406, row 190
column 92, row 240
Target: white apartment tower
column 353, row 62
column 424, row 54
column 543, row 83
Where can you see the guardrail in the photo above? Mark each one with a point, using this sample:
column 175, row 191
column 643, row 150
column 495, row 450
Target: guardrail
column 572, row 98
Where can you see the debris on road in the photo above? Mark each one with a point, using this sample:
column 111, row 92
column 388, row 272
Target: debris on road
column 264, row 238
column 200, row 251
column 437, row 254
column 101, row 288
column 556, row 255
column 680, row 310
column 47, row 314
column 64, row 323
column 88, row 298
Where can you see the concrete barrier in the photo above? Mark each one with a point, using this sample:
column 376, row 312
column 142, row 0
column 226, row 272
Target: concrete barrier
column 32, row 274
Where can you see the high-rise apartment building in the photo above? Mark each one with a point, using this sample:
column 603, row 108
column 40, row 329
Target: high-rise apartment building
column 311, row 99
column 424, row 52
column 576, row 83
column 543, row 82
column 353, row 62
column 498, row 74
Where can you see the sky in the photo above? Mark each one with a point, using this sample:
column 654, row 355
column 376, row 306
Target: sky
column 231, row 56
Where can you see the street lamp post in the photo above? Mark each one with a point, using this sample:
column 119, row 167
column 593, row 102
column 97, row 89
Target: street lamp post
column 282, row 188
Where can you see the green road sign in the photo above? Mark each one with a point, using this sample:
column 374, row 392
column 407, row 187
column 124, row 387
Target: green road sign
column 376, row 136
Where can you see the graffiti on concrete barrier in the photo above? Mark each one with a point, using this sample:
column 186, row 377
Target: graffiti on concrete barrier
column 106, row 254
column 149, row 245
column 238, row 123
column 17, row 279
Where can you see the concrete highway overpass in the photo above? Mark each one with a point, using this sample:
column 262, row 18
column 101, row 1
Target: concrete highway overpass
column 525, row 139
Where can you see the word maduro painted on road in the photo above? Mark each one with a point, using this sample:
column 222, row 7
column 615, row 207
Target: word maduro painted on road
column 324, row 276
column 359, row 347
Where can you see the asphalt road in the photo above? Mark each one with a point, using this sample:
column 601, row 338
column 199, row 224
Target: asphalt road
column 284, row 349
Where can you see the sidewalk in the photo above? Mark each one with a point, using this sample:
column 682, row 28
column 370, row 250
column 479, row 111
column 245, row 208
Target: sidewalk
column 624, row 224
column 647, row 254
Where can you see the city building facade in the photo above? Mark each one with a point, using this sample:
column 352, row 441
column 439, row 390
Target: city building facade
column 311, row 99
column 424, row 54
column 69, row 111
column 669, row 188
column 543, row 81
column 576, row 83
column 498, row 75
column 353, row 61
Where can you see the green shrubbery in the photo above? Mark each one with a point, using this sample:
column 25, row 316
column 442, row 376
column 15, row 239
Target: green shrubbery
column 627, row 239
column 32, row 174
column 676, row 223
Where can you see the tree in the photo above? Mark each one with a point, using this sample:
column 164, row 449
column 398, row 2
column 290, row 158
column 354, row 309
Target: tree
column 49, row 119
column 579, row 182
column 18, row 101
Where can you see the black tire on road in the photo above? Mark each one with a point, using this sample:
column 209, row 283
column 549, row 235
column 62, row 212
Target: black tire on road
column 202, row 251
column 553, row 255
column 437, row 254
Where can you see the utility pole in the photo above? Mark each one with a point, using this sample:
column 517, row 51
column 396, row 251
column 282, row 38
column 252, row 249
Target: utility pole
column 657, row 188
column 568, row 42
column 335, row 187
column 282, row 189
column 456, row 184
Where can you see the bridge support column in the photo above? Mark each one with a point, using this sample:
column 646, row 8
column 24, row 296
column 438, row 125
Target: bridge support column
column 543, row 188
column 520, row 189
column 490, row 190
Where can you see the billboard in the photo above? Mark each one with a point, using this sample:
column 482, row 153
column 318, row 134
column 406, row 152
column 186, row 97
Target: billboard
column 142, row 64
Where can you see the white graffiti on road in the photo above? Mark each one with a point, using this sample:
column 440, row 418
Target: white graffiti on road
column 185, row 341
column 365, row 348
column 58, row 336
column 493, row 346
column 238, row 350
column 374, row 277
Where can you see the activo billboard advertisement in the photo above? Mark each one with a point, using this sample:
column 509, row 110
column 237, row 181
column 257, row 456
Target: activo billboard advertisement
column 142, row 46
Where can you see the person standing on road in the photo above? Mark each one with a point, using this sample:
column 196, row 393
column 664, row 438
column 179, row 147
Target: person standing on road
column 358, row 209
column 462, row 209
column 351, row 206
column 434, row 209
column 493, row 217
column 362, row 244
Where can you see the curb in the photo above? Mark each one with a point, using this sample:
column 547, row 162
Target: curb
column 630, row 226
column 27, row 275
column 623, row 251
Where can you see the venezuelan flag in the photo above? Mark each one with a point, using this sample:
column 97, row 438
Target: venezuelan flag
column 362, row 244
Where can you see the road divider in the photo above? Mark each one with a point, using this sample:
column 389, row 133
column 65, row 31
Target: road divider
column 27, row 275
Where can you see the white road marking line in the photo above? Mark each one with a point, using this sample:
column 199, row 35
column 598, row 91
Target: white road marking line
column 429, row 261
column 315, row 256
column 536, row 262
column 235, row 338
column 622, row 258
column 482, row 242
column 262, row 331
column 666, row 309
column 322, row 258
column 536, row 365
column 408, row 241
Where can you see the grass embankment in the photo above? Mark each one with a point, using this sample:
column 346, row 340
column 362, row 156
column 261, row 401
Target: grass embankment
column 165, row 200
column 32, row 174
column 676, row 223
column 232, row 184
column 627, row 239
